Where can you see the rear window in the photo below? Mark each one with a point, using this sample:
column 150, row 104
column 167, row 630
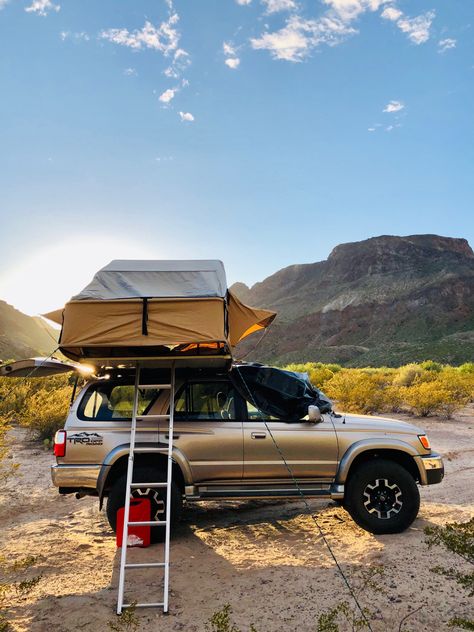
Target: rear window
column 114, row 402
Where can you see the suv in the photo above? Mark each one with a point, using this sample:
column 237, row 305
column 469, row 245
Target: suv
column 225, row 448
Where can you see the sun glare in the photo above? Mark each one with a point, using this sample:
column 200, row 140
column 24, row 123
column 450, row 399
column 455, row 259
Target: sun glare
column 48, row 278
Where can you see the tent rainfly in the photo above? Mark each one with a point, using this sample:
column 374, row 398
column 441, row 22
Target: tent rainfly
column 156, row 308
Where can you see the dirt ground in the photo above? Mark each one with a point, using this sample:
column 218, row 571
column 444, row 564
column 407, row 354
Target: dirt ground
column 266, row 559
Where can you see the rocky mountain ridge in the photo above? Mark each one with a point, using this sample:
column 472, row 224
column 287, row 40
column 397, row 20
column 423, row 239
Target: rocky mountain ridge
column 384, row 300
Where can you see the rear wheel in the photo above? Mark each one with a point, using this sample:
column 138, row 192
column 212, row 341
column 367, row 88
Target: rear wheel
column 157, row 497
column 382, row 497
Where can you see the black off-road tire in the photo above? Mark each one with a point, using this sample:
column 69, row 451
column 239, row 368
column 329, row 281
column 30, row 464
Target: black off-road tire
column 382, row 497
column 157, row 497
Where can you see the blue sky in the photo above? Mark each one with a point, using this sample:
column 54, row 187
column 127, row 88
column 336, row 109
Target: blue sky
column 260, row 132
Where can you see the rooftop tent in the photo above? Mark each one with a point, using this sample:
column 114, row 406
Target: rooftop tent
column 282, row 394
column 154, row 308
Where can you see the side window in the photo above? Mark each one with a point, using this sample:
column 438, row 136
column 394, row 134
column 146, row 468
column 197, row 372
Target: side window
column 254, row 414
column 206, row 400
column 114, row 402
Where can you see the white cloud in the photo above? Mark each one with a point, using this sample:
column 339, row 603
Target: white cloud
column 349, row 10
column 296, row 40
column 232, row 62
column 186, row 116
column 371, row 129
column 243, row 2
column 274, row 6
column 163, row 38
column 393, row 106
column 228, row 49
column 42, row 7
column 3, row 3
column 417, row 29
column 391, row 13
column 230, row 52
column 80, row 36
column 180, row 62
column 130, row 72
column 168, row 95
column 446, row 44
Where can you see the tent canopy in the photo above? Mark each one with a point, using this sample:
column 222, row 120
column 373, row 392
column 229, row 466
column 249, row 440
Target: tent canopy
column 154, row 308
column 122, row 279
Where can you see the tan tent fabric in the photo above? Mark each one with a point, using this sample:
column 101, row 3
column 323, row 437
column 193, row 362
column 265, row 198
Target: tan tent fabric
column 245, row 320
column 119, row 323
column 120, row 315
column 56, row 316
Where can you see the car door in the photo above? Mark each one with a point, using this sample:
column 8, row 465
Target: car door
column 208, row 429
column 310, row 449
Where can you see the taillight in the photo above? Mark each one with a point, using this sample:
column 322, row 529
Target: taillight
column 60, row 443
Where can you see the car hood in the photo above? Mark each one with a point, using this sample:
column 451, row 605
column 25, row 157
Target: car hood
column 361, row 423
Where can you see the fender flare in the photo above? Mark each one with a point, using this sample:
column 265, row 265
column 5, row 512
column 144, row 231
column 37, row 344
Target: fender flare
column 366, row 445
column 123, row 450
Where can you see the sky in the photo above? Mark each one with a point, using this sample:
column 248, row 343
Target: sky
column 259, row 132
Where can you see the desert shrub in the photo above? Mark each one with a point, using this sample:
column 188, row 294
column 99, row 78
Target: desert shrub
column 318, row 373
column 7, row 468
column 39, row 404
column 431, row 365
column 358, row 391
column 221, row 621
column 46, row 411
column 467, row 367
column 406, row 375
column 425, row 398
column 457, row 538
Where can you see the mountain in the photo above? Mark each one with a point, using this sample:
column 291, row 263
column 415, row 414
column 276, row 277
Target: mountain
column 23, row 336
column 382, row 301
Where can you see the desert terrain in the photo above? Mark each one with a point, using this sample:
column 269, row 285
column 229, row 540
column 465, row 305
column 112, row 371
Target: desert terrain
column 266, row 559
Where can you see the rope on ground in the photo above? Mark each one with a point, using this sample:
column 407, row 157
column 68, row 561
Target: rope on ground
column 311, row 514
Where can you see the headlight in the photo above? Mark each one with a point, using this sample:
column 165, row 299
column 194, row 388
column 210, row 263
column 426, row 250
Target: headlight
column 425, row 442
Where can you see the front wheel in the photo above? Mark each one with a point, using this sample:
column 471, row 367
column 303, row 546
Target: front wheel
column 157, row 498
column 382, row 497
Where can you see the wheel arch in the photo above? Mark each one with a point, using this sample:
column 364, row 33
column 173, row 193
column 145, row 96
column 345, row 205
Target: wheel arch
column 115, row 465
column 363, row 452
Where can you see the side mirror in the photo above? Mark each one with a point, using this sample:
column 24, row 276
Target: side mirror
column 314, row 414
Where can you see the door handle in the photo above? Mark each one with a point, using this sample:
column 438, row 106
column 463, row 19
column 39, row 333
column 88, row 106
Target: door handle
column 259, row 435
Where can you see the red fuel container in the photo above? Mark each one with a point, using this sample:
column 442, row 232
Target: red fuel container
column 139, row 511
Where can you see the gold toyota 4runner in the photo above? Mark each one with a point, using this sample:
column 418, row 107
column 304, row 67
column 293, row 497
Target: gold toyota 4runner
column 226, row 448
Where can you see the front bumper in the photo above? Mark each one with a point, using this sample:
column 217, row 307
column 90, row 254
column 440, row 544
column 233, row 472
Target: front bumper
column 75, row 476
column 431, row 468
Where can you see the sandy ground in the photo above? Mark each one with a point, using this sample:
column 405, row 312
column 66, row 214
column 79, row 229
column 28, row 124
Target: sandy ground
column 266, row 559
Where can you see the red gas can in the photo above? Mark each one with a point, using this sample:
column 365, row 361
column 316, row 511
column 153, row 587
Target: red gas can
column 139, row 511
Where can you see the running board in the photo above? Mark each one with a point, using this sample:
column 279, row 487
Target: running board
column 335, row 492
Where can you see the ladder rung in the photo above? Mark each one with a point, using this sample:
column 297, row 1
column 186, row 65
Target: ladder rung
column 147, row 523
column 153, row 386
column 158, row 604
column 150, row 417
column 136, row 485
column 150, row 449
column 146, row 565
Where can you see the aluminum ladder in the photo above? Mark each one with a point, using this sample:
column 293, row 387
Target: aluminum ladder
column 130, row 485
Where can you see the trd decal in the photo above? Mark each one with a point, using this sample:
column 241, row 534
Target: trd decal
column 87, row 438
